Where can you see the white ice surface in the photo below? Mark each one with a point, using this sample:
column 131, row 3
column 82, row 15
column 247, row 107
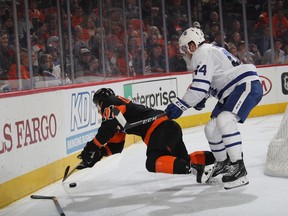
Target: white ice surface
column 120, row 185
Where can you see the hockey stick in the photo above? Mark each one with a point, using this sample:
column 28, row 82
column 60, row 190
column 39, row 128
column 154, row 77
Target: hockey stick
column 121, row 119
column 60, row 210
column 67, row 173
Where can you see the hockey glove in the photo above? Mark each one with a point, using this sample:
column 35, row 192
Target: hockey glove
column 200, row 105
column 175, row 109
column 91, row 154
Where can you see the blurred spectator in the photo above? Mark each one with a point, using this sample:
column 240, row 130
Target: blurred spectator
column 89, row 28
column 247, row 57
column 157, row 59
column 55, row 55
column 207, row 39
column 117, row 29
column 233, row 50
column 156, row 18
column 177, row 63
column 7, row 54
column 77, row 16
column 177, row 12
column 53, row 41
column 213, row 18
column 44, row 77
column 151, row 41
column 263, row 41
column 78, row 41
column 214, row 27
column 5, row 9
column 116, row 14
column 115, row 57
column 173, row 46
column 7, row 25
column 218, row 40
column 261, row 22
column 94, row 66
column 25, row 75
column 138, row 65
column 280, row 26
column 35, row 15
column 146, row 8
column 279, row 4
column 132, row 9
column 235, row 26
column 279, row 56
column 235, row 39
column 52, row 24
column 82, row 63
column 41, row 32
column 153, row 30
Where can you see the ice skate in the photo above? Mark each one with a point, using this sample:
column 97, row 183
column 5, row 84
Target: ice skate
column 235, row 176
column 202, row 172
column 221, row 167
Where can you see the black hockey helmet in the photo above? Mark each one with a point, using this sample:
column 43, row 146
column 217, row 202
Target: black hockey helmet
column 102, row 94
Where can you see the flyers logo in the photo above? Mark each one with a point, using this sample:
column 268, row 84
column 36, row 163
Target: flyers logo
column 107, row 113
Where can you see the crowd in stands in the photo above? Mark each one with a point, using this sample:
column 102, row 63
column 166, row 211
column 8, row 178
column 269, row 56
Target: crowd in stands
column 99, row 43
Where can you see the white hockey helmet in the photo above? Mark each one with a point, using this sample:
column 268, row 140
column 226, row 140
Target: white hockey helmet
column 191, row 34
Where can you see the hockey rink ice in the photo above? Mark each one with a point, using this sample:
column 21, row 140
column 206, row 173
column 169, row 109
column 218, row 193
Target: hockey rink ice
column 120, row 184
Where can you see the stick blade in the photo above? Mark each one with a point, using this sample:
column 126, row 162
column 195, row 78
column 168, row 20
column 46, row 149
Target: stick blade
column 66, row 173
column 35, row 196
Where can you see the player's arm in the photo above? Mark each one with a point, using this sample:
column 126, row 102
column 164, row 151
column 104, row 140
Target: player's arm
column 95, row 149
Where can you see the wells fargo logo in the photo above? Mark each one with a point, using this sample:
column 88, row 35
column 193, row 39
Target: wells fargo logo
column 27, row 132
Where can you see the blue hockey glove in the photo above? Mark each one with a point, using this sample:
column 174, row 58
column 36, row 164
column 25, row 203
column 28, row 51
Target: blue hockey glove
column 175, row 109
column 200, row 105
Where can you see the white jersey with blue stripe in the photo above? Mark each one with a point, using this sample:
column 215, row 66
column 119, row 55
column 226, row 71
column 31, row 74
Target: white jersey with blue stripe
column 216, row 72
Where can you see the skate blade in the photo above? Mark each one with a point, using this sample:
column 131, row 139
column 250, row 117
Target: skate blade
column 237, row 183
column 213, row 181
column 208, row 171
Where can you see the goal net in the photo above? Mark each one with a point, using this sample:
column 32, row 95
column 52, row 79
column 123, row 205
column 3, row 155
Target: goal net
column 277, row 155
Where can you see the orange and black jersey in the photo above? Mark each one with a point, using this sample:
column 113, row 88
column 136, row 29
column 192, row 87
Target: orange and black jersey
column 110, row 130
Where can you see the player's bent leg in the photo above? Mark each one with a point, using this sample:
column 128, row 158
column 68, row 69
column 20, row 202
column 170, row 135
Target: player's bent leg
column 215, row 141
column 227, row 125
column 166, row 164
column 202, row 165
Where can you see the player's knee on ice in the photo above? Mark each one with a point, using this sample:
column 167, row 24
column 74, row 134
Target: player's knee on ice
column 166, row 164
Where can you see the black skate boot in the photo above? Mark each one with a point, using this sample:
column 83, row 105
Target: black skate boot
column 221, row 167
column 235, row 176
column 202, row 172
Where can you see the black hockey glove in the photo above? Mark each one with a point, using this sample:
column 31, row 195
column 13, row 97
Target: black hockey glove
column 200, row 105
column 91, row 154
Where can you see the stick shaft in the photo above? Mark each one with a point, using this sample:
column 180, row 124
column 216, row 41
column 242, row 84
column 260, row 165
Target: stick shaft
column 60, row 210
column 80, row 166
column 121, row 119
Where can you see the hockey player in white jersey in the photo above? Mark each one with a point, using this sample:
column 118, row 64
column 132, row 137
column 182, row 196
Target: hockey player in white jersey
column 237, row 87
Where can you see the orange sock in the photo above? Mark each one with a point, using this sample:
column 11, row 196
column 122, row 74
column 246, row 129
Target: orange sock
column 165, row 164
column 197, row 157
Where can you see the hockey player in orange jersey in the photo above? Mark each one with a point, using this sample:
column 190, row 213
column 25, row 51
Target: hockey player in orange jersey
column 166, row 151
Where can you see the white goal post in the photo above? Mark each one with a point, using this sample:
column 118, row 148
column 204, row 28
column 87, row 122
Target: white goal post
column 277, row 155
